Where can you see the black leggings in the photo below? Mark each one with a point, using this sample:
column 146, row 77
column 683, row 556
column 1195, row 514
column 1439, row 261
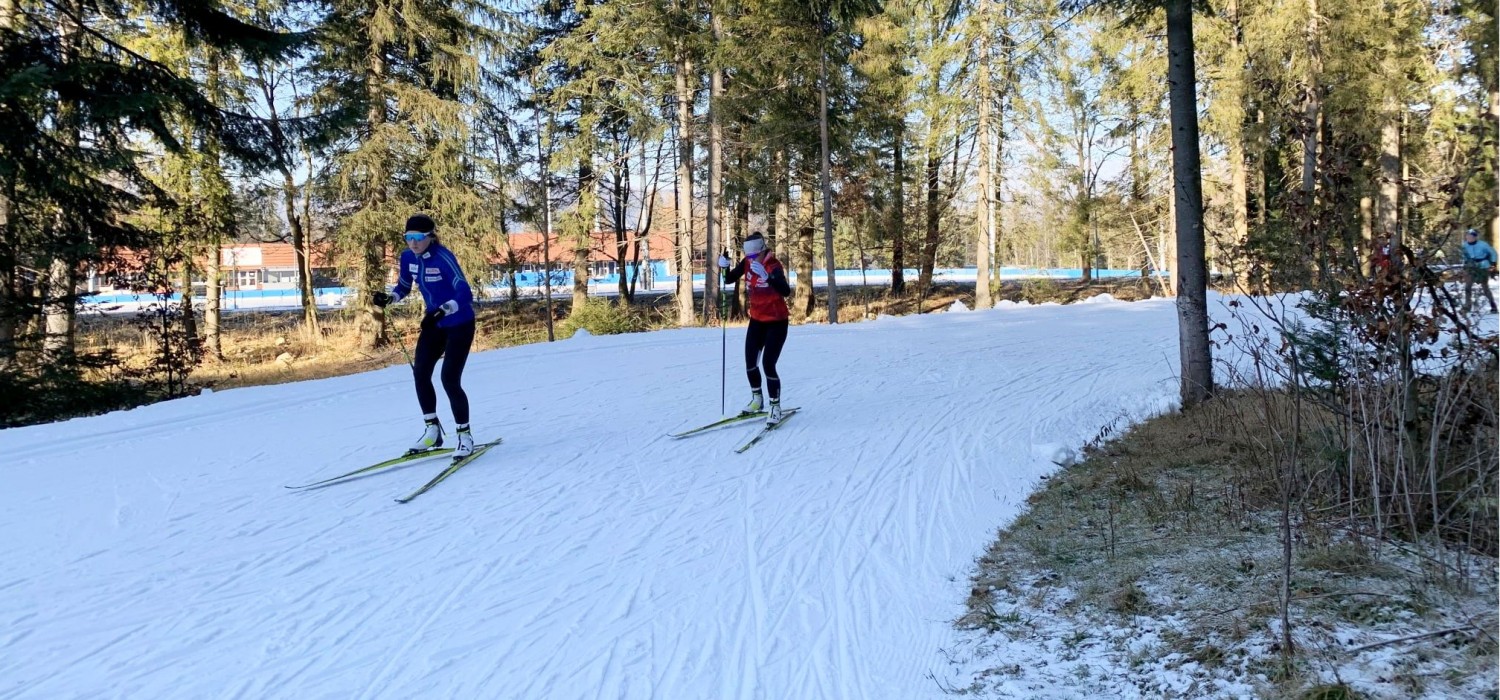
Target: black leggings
column 763, row 344
column 432, row 344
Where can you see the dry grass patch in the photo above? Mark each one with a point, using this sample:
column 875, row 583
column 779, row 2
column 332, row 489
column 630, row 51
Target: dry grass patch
column 1162, row 548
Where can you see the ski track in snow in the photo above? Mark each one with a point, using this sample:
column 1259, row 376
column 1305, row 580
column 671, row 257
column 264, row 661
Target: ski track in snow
column 154, row 552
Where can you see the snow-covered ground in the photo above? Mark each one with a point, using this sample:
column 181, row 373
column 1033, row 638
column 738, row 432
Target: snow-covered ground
column 155, row 553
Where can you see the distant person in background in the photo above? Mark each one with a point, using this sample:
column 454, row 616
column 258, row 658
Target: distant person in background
column 765, row 279
column 1381, row 258
column 1479, row 266
column 447, row 329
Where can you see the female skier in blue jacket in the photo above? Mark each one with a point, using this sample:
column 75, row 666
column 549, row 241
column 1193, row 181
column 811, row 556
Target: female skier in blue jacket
column 447, row 328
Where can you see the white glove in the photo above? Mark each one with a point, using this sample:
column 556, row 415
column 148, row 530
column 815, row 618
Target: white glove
column 724, row 261
column 449, row 307
column 758, row 269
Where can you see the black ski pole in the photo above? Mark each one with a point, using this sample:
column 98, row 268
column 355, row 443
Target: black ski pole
column 723, row 343
column 404, row 351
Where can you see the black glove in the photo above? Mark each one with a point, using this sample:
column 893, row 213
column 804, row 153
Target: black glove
column 383, row 298
column 429, row 322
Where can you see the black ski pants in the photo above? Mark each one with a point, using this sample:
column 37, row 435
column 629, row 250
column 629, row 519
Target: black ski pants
column 452, row 344
column 763, row 343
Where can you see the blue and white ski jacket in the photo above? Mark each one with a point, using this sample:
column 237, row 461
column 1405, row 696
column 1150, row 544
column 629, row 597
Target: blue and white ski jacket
column 1478, row 254
column 441, row 280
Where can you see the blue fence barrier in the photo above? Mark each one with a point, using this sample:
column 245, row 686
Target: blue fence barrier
column 564, row 279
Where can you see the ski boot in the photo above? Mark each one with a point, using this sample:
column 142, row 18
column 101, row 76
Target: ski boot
column 432, row 437
column 465, row 442
column 774, row 415
column 755, row 404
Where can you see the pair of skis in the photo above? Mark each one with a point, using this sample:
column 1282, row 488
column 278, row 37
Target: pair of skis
column 457, row 464
column 736, row 420
column 480, row 449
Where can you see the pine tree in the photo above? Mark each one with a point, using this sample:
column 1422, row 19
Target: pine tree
column 75, row 97
column 410, row 70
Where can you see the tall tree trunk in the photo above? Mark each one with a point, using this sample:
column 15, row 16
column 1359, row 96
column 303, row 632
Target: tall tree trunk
column 544, row 165
column 1239, row 193
column 1494, row 117
column 1085, row 200
column 1192, row 273
column 740, row 231
column 715, row 218
column 644, row 219
column 300, row 249
column 827, row 185
column 372, row 263
column 587, row 216
column 1312, row 102
column 1167, row 251
column 802, row 294
column 10, row 301
column 1262, row 161
column 1138, row 176
column 1009, row 79
column 1389, row 212
column 740, row 224
column 213, row 292
column 311, row 306
column 930, row 244
column 781, row 218
column 622, row 235
column 1392, row 190
column 185, row 305
column 898, row 211
column 782, row 238
column 59, row 312
column 985, row 216
column 1137, row 161
column 10, row 298
column 1312, row 118
column 685, row 313
column 1366, row 235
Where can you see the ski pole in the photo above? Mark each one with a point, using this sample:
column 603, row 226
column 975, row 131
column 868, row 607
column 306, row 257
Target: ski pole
column 404, row 352
column 723, row 344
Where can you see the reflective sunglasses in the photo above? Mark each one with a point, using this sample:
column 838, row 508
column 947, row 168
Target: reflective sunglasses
column 416, row 235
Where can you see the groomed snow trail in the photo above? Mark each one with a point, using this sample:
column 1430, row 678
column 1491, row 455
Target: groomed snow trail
column 154, row 553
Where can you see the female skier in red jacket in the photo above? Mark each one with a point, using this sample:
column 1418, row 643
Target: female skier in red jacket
column 765, row 279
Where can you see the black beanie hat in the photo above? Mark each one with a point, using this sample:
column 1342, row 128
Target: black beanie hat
column 421, row 223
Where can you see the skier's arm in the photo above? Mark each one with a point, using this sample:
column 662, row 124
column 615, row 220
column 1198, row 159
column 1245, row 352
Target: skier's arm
column 403, row 279
column 777, row 280
column 733, row 274
column 462, row 293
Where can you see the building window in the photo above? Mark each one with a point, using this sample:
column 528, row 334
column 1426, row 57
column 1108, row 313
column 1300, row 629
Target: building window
column 247, row 278
column 287, row 277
